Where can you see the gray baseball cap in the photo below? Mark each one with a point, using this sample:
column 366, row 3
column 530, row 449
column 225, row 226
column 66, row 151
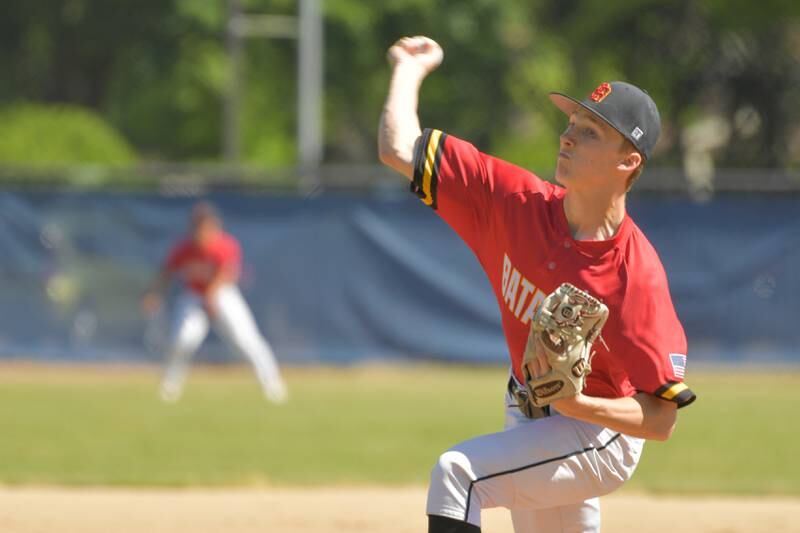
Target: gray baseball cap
column 627, row 108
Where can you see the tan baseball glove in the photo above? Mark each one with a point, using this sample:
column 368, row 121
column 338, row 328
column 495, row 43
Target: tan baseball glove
column 565, row 326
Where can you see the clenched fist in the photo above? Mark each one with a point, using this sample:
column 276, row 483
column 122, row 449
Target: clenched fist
column 419, row 51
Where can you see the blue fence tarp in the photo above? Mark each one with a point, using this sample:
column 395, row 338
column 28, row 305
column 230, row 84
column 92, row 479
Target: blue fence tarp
column 343, row 278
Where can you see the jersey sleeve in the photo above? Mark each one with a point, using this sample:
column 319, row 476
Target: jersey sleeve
column 655, row 355
column 464, row 185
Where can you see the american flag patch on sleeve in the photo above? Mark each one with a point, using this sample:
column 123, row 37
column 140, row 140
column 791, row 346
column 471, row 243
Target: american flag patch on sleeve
column 678, row 362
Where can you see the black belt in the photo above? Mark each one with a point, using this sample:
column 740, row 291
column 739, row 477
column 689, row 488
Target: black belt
column 522, row 396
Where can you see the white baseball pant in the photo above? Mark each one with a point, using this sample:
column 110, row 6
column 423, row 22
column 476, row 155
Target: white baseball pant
column 549, row 472
column 235, row 324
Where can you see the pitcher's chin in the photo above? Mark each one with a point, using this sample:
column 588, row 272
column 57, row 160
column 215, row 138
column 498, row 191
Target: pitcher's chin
column 561, row 175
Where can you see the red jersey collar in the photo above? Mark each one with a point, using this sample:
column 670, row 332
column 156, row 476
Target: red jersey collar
column 591, row 248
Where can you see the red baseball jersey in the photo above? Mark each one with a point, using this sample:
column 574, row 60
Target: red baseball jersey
column 515, row 224
column 197, row 265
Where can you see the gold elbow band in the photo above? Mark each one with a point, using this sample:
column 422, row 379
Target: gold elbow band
column 676, row 392
column 427, row 155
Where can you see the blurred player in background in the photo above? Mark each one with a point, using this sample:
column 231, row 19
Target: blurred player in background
column 208, row 263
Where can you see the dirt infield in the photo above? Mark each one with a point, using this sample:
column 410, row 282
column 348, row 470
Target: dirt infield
column 323, row 510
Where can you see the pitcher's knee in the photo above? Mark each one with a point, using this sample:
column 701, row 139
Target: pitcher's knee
column 453, row 471
column 449, row 491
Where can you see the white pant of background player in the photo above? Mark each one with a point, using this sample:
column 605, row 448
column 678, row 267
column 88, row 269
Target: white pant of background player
column 549, row 472
column 235, row 324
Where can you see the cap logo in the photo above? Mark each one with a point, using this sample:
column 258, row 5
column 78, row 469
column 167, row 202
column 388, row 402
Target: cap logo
column 637, row 133
column 603, row 90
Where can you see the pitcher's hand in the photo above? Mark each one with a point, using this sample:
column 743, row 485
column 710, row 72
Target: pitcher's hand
column 422, row 52
column 539, row 366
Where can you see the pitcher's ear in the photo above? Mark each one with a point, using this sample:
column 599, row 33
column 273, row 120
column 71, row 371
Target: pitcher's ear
column 630, row 161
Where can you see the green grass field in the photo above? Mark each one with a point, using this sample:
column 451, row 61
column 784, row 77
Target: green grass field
column 354, row 426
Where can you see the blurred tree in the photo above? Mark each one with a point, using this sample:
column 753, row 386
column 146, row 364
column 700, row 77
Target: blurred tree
column 725, row 73
column 111, row 56
column 165, row 92
column 736, row 62
column 46, row 136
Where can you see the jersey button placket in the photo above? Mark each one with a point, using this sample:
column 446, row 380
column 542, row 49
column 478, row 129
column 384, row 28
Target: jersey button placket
column 557, row 255
column 566, row 253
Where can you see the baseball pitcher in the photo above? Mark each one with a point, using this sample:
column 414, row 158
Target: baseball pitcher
column 597, row 351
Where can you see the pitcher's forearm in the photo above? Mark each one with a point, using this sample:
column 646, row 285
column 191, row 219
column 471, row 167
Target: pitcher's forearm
column 641, row 415
column 399, row 126
column 412, row 58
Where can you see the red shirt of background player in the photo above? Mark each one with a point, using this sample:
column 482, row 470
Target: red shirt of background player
column 515, row 224
column 197, row 265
